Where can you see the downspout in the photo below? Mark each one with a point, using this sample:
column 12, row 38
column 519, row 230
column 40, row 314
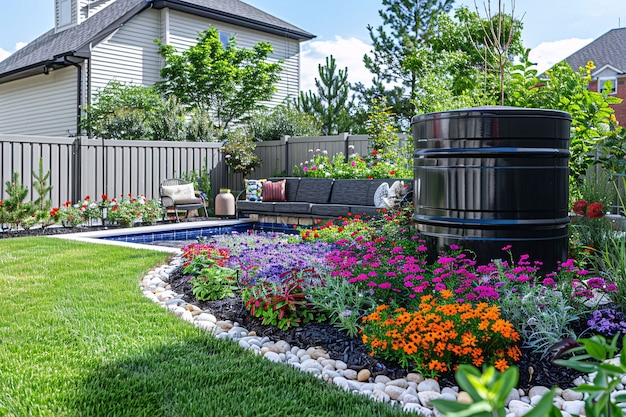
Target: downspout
column 76, row 154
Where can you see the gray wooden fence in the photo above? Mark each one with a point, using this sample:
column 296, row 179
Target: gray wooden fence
column 81, row 167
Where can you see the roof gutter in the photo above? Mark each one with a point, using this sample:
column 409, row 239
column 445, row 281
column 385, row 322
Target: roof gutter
column 231, row 18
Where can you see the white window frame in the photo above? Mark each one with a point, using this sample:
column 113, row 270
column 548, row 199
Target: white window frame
column 602, row 80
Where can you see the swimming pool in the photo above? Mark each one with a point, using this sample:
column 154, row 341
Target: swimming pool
column 173, row 236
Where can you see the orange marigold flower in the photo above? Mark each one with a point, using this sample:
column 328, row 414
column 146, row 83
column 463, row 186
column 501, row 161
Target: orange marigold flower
column 410, row 348
column 446, row 294
column 436, row 365
column 468, row 339
column 514, row 353
column 501, row 365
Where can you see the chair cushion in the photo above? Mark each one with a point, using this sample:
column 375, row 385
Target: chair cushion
column 274, row 191
column 180, row 193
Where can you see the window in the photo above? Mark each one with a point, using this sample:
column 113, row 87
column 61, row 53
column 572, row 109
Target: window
column 65, row 12
column 224, row 37
column 609, row 83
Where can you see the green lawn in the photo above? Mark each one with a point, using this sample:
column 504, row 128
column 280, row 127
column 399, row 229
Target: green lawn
column 78, row 338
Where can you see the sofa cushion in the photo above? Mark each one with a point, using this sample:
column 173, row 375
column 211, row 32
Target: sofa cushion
column 291, row 187
column 255, row 206
column 350, row 192
column 254, row 190
column 274, row 191
column 181, row 194
column 314, row 190
column 366, row 211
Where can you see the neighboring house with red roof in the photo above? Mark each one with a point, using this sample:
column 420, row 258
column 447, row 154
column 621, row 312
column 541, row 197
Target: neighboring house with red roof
column 44, row 84
column 608, row 53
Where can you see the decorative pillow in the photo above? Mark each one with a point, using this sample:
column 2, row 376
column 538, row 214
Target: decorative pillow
column 254, row 190
column 396, row 192
column 274, row 191
column 381, row 192
column 184, row 192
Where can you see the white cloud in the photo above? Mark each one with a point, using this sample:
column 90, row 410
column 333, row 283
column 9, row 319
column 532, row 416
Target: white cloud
column 20, row 45
column 546, row 54
column 4, row 54
column 347, row 53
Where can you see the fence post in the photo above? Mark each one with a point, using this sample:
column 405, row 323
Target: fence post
column 288, row 170
column 346, row 136
column 76, row 170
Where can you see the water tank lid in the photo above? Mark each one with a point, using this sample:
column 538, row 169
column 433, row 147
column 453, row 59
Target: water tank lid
column 493, row 111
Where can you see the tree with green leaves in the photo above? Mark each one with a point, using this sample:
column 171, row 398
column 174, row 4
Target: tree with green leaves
column 330, row 103
column 227, row 82
column 122, row 111
column 407, row 27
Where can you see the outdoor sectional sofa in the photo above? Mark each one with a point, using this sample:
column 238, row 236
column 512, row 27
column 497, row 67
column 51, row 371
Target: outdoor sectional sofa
column 319, row 198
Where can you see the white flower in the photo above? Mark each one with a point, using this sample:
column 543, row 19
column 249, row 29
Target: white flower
column 318, row 150
column 324, row 152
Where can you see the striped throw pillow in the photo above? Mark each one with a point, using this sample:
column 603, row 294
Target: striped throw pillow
column 274, row 191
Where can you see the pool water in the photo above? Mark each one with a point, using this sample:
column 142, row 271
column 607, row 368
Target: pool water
column 178, row 238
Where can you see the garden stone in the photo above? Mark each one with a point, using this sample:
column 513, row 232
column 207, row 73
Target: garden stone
column 383, row 379
column 450, row 390
column 394, row 391
column 408, row 399
column 380, row 396
column 207, row 317
column 463, row 398
column 513, row 395
column 363, row 375
column 350, row 374
column 518, row 408
column 312, row 365
column 280, row 347
column 224, row 325
column 415, row 377
column 304, row 357
column 426, row 397
column 538, row 390
column 571, row 395
column 399, row 383
column 574, row 407
column 341, row 365
column 429, row 385
column 341, row 382
column 272, row 357
column 317, row 352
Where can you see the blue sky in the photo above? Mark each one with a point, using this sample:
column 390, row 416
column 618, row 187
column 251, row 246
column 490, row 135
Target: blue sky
column 553, row 29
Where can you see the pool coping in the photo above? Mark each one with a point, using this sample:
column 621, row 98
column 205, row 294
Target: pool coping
column 96, row 236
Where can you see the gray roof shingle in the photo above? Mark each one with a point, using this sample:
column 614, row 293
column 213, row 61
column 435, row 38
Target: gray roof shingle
column 52, row 46
column 608, row 49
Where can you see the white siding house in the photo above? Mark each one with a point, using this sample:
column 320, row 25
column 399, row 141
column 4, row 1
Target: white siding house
column 97, row 41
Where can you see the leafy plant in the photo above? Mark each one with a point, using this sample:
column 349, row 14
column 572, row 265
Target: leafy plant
column 239, row 152
column 15, row 209
column 489, row 391
column 214, row 282
column 283, row 304
column 600, row 400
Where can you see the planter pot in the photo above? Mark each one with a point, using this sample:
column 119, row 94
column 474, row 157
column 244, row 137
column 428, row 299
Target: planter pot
column 224, row 203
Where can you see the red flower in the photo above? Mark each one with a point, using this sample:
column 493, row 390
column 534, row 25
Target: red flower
column 580, row 207
column 374, row 152
column 87, row 197
column 392, row 173
column 105, row 197
column 595, row 211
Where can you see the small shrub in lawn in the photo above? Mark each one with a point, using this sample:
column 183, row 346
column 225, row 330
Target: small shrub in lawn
column 441, row 335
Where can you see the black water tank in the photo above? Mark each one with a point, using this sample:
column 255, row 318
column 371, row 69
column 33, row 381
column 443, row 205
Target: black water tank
column 488, row 177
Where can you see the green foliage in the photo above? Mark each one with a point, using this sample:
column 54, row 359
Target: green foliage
column 170, row 124
column 283, row 304
column 239, row 152
column 122, row 111
column 14, row 210
column 213, row 282
column 330, row 104
column 201, row 181
column 281, row 121
column 489, row 391
column 406, row 28
column 607, row 374
column 225, row 82
column 130, row 210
